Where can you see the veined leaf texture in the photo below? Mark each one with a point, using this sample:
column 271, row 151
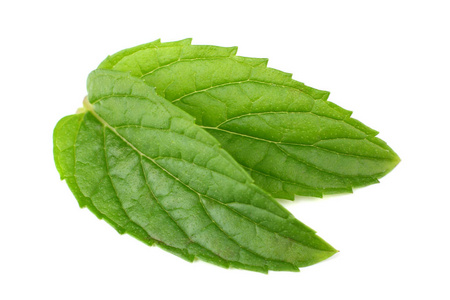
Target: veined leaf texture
column 286, row 135
column 144, row 166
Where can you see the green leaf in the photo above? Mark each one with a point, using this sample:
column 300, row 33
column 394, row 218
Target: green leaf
column 142, row 164
column 290, row 139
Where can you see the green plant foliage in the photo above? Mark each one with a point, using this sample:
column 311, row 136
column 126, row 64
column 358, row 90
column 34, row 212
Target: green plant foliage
column 143, row 165
column 286, row 135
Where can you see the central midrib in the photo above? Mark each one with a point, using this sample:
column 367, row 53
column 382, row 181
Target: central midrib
column 90, row 109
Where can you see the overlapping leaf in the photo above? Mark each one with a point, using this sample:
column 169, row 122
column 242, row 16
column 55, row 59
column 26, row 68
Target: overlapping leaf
column 288, row 137
column 142, row 164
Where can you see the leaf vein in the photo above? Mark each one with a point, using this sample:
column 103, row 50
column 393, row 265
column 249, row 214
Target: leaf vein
column 287, row 143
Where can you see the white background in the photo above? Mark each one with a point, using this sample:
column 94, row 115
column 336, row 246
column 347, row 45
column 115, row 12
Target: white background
column 388, row 61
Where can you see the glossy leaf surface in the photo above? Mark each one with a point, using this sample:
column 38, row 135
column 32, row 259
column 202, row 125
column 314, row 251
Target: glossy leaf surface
column 288, row 137
column 144, row 166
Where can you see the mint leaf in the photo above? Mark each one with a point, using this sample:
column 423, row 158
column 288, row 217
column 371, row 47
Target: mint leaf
column 289, row 138
column 142, row 164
